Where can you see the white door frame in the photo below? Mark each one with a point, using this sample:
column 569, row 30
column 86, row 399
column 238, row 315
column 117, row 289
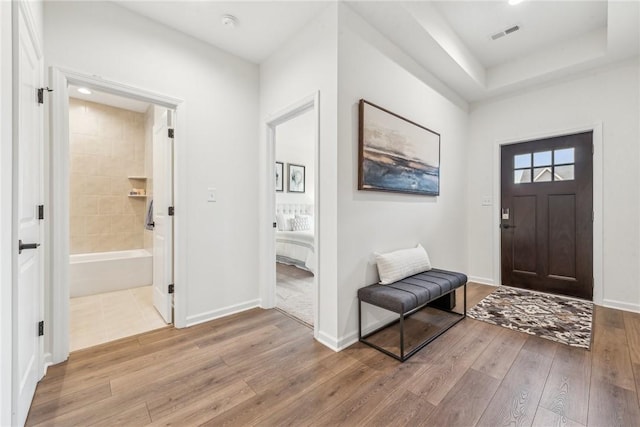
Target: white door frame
column 267, row 233
column 58, row 301
column 598, row 255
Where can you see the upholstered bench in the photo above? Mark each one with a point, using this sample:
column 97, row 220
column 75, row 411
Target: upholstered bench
column 408, row 296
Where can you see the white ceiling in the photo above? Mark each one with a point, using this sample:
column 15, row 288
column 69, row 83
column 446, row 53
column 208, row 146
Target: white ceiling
column 262, row 27
column 109, row 99
column 448, row 40
column 542, row 23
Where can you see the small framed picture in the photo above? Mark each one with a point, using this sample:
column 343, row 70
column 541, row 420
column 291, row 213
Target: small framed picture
column 279, row 176
column 296, row 178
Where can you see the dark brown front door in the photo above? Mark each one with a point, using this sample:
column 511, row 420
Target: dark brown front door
column 547, row 215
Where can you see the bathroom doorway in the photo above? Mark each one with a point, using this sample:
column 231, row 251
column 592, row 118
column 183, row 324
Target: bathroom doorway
column 120, row 241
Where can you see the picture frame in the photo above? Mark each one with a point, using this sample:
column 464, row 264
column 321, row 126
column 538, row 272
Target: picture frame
column 296, row 178
column 396, row 154
column 279, row 176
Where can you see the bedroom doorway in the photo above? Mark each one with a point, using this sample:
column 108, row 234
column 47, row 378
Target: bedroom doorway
column 290, row 243
column 294, row 239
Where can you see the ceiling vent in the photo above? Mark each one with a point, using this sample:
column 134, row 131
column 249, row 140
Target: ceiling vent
column 508, row 31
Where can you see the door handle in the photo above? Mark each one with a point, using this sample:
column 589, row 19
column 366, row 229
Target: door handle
column 506, row 226
column 22, row 246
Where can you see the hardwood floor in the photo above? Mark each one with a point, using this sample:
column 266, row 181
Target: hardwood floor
column 263, row 368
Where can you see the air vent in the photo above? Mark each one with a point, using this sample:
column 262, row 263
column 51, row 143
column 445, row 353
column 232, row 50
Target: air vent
column 509, row 30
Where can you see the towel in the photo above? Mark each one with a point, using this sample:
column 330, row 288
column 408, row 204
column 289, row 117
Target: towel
column 149, row 224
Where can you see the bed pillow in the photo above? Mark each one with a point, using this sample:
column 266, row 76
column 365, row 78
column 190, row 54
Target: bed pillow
column 284, row 221
column 300, row 223
column 308, row 218
column 397, row 265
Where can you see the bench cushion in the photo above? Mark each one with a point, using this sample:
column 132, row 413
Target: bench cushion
column 413, row 291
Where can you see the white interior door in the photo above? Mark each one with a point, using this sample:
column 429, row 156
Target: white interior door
column 27, row 295
column 163, row 228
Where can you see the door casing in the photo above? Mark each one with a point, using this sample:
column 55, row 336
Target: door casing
column 598, row 255
column 58, row 301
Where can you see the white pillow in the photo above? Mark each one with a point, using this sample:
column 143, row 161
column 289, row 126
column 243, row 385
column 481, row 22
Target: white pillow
column 397, row 265
column 284, row 221
column 300, row 223
column 309, row 218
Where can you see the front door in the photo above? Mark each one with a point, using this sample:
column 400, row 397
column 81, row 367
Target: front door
column 547, row 215
column 27, row 293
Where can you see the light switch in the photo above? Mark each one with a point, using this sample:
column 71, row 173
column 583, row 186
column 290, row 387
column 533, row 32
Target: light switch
column 211, row 194
column 486, row 201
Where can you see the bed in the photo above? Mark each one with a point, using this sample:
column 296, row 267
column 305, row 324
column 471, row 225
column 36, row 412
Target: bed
column 295, row 241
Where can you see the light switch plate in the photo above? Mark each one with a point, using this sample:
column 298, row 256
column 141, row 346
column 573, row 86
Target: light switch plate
column 211, row 194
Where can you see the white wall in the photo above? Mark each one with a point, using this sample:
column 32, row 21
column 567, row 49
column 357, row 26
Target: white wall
column 380, row 222
column 295, row 143
column 6, row 240
column 610, row 96
column 221, row 99
column 307, row 63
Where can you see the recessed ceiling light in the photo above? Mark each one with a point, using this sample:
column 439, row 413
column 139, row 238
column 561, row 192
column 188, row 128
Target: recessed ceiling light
column 229, row 21
column 515, row 2
column 84, row 90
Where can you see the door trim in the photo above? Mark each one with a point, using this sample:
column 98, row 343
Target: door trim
column 598, row 255
column 58, row 301
column 267, row 216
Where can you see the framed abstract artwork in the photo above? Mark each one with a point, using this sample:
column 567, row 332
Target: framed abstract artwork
column 396, row 154
column 279, row 176
column 296, row 178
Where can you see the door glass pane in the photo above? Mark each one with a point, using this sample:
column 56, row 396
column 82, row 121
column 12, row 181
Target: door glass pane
column 563, row 156
column 521, row 176
column 564, row 173
column 522, row 161
column 542, row 174
column 542, row 159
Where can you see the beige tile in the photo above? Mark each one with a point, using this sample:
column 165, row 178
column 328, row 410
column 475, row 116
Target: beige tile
column 110, row 125
column 76, row 185
column 82, row 121
column 77, row 225
column 79, row 245
column 87, row 205
column 120, row 185
column 84, row 164
column 122, row 223
column 110, row 205
column 98, row 185
column 97, row 224
column 112, row 166
column 122, row 149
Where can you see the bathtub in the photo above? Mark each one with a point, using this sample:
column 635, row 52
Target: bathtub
column 100, row 272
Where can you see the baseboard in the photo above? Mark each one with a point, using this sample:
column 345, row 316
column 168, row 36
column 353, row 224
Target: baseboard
column 221, row 312
column 482, row 280
column 621, row 305
column 328, row 341
column 47, row 360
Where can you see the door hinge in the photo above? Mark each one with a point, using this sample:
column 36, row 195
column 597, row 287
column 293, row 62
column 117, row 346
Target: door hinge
column 171, row 211
column 275, row 225
column 170, row 132
column 41, row 94
column 41, row 328
column 40, row 211
column 171, row 288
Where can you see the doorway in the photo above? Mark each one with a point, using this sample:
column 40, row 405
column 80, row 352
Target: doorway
column 294, row 201
column 58, row 300
column 291, row 201
column 120, row 247
column 546, row 216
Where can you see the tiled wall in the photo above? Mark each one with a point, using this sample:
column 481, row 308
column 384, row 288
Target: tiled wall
column 107, row 145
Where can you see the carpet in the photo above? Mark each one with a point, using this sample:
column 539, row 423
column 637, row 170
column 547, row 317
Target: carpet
column 564, row 320
column 294, row 292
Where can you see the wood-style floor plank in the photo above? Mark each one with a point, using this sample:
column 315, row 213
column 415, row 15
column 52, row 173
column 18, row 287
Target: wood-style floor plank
column 566, row 391
column 262, row 368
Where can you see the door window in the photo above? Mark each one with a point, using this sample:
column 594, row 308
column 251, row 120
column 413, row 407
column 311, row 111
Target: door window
column 544, row 166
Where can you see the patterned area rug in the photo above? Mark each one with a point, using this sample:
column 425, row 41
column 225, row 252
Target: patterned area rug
column 565, row 320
